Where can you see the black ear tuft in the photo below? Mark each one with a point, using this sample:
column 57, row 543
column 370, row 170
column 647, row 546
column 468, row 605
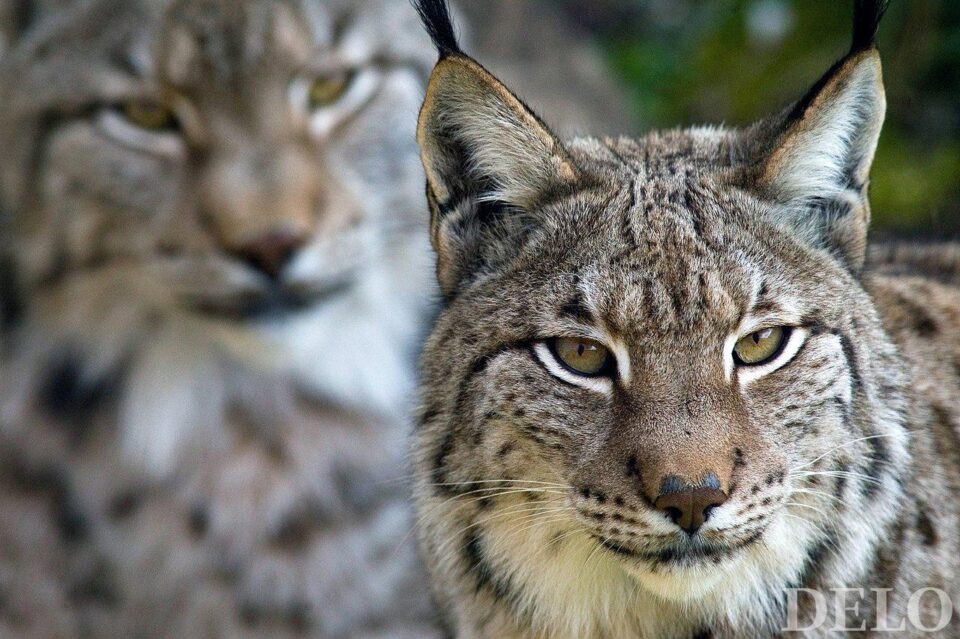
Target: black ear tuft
column 866, row 20
column 436, row 18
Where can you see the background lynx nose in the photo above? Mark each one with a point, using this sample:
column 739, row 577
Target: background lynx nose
column 689, row 504
column 272, row 251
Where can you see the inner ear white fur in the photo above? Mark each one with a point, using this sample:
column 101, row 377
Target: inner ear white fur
column 837, row 135
column 470, row 121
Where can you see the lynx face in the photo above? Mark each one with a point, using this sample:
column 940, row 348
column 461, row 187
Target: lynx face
column 657, row 383
column 240, row 173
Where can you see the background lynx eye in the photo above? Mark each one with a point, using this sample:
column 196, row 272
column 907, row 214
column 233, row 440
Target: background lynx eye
column 582, row 356
column 761, row 346
column 149, row 115
column 327, row 90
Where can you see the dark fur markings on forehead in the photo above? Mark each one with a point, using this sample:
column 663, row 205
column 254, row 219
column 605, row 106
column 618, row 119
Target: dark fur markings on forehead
column 576, row 308
column 218, row 34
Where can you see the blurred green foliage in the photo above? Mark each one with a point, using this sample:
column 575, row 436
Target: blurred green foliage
column 733, row 61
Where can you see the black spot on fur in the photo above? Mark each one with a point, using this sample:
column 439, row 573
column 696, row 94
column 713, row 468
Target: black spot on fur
column 440, row 466
column 841, row 483
column 923, row 323
column 71, row 399
column 294, row 533
column 71, row 522
column 11, row 301
column 427, row 417
column 852, row 363
column 198, row 521
column 96, row 587
column 926, row 529
column 480, row 364
column 125, row 505
column 879, row 462
column 815, row 560
column 485, row 576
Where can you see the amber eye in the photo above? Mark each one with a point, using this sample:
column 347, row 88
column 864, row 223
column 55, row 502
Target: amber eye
column 327, row 90
column 761, row 346
column 582, row 356
column 149, row 115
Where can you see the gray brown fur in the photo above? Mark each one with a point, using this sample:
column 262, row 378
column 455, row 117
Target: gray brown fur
column 182, row 454
column 535, row 488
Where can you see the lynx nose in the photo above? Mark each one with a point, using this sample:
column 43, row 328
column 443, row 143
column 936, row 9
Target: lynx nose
column 272, row 251
column 689, row 504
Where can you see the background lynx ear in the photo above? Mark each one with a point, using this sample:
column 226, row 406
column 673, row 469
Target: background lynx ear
column 484, row 152
column 820, row 164
column 478, row 139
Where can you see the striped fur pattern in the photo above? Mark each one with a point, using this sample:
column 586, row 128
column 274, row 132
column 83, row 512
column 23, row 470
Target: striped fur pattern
column 536, row 486
column 192, row 445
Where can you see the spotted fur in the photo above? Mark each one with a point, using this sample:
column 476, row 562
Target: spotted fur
column 192, row 445
column 536, row 489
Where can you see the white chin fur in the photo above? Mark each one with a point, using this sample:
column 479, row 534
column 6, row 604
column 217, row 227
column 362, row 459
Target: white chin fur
column 680, row 585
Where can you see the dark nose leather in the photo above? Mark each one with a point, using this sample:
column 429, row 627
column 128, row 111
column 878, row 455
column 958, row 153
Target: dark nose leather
column 271, row 252
column 689, row 504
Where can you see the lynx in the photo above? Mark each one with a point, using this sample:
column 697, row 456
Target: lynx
column 213, row 284
column 666, row 390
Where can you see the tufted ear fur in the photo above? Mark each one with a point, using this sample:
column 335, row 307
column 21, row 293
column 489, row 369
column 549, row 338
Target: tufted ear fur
column 485, row 153
column 818, row 170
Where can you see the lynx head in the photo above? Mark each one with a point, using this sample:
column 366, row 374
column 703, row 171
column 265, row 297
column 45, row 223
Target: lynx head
column 656, row 364
column 189, row 184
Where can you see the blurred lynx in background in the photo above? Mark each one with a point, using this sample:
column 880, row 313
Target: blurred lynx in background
column 213, row 281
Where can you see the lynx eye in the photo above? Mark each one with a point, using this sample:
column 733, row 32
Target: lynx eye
column 324, row 91
column 760, row 347
column 149, row 115
column 582, row 356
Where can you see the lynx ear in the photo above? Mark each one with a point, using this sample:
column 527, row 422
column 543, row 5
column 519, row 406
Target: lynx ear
column 485, row 153
column 819, row 168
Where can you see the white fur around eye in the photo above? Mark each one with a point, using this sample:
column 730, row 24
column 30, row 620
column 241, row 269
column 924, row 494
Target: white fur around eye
column 545, row 355
column 747, row 374
column 117, row 128
column 322, row 121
